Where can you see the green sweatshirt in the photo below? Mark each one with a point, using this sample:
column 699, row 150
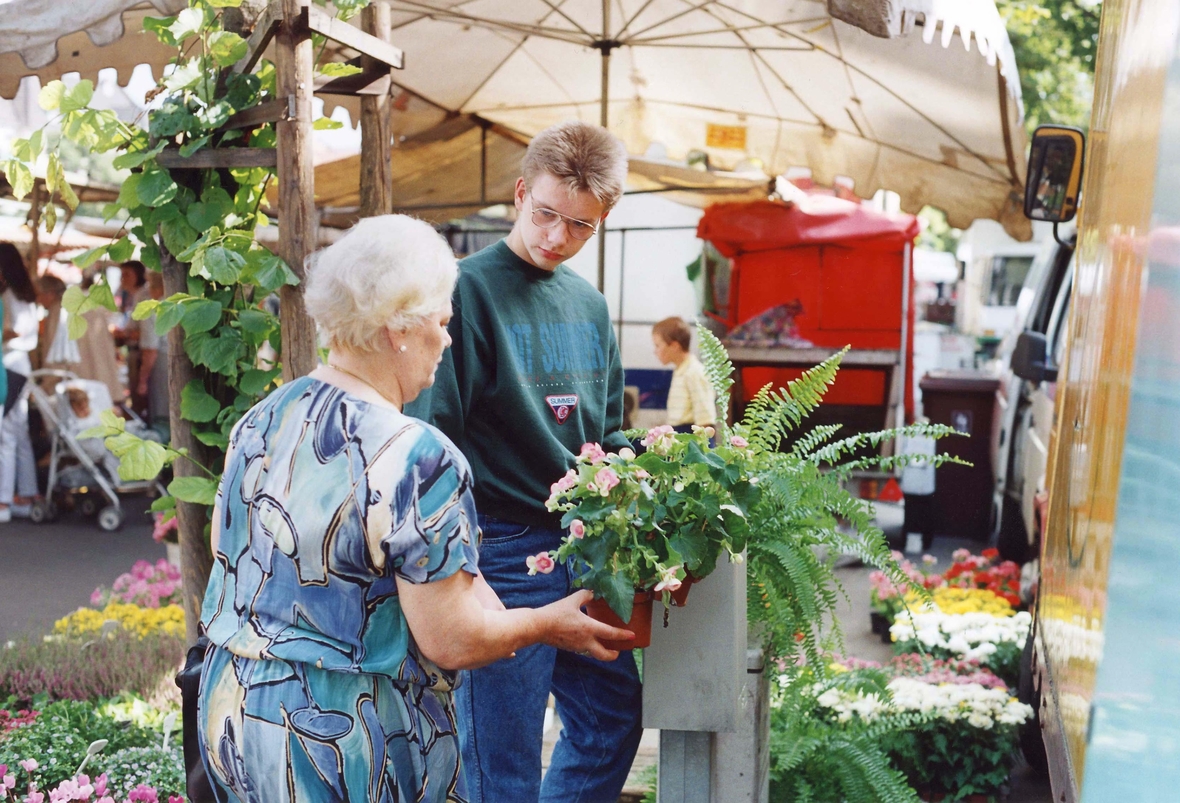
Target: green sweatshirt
column 533, row 373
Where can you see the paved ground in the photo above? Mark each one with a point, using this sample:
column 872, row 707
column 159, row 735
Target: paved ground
column 49, row 570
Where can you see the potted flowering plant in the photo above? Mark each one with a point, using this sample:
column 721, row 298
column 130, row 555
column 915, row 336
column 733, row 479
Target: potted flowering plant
column 650, row 522
column 647, row 524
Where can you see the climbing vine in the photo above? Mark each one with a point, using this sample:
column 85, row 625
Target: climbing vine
column 205, row 219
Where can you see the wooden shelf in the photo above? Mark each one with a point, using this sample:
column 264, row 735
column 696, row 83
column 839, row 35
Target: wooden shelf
column 796, row 358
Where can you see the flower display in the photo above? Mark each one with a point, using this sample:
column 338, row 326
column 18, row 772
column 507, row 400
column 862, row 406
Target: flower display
column 148, row 585
column 165, row 529
column 995, row 641
column 645, row 522
column 168, row 619
column 967, row 572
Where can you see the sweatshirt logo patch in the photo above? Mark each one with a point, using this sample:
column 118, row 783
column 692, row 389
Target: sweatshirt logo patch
column 562, row 406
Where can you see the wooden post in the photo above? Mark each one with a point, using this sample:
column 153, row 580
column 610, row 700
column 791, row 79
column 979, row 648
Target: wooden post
column 376, row 124
column 297, row 223
column 195, row 559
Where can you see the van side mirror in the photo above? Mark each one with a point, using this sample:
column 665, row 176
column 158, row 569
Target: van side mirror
column 1029, row 360
column 1054, row 173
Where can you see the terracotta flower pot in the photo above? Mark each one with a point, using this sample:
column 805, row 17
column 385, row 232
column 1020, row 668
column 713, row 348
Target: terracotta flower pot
column 680, row 595
column 640, row 623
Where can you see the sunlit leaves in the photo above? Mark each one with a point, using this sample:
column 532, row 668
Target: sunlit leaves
column 197, row 490
column 19, row 177
column 326, row 124
column 77, row 97
column 227, row 48
column 189, row 22
column 337, row 69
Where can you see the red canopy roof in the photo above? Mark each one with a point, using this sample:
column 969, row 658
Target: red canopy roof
column 736, row 228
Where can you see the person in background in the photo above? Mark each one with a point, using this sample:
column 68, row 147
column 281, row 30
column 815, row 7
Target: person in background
column 18, row 469
column 55, row 349
column 533, row 375
column 690, row 396
column 345, row 591
column 132, row 290
column 152, row 384
column 96, row 349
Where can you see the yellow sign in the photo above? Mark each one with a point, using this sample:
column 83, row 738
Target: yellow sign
column 731, row 137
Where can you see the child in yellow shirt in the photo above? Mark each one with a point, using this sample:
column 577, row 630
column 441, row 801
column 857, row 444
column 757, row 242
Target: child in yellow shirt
column 690, row 397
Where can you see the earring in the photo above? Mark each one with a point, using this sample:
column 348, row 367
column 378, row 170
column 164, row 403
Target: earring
column 402, row 347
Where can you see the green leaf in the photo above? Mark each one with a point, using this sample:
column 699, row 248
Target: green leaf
column 204, row 216
column 163, row 504
column 188, row 23
column 78, row 96
column 35, row 145
column 255, row 321
column 267, row 271
column 129, row 192
column 178, row 235
column 111, row 425
column 156, row 187
column 76, row 326
column 144, row 309
column 217, row 352
column 168, row 315
column 186, row 76
column 168, row 121
column 74, row 296
column 160, row 27
column 51, row 95
column 86, row 259
column 338, row 69
column 139, row 459
column 223, row 265
column 192, row 146
column 619, row 593
column 20, row 177
column 197, row 405
column 136, row 158
column 326, row 124
column 100, row 295
column 255, row 381
column 197, row 490
column 217, row 440
column 121, row 250
column 225, row 3
column 227, row 48
column 22, row 151
column 201, row 315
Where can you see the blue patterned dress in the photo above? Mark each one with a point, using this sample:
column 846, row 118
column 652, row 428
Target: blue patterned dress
column 314, row 689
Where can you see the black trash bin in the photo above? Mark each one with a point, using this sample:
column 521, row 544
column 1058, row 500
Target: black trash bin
column 965, row 401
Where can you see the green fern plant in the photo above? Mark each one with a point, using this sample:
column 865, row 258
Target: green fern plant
column 805, row 517
column 814, row 758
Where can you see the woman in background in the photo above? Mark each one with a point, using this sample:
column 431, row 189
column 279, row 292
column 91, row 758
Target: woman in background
column 18, row 470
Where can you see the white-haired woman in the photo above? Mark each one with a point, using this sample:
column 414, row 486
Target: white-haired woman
column 345, row 593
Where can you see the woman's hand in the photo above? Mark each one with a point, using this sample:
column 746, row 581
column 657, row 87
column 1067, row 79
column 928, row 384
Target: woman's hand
column 573, row 630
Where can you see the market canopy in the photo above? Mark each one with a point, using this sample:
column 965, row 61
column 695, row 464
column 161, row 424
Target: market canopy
column 788, row 82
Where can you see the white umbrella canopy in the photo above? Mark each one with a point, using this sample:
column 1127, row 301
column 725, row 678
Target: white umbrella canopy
column 780, row 80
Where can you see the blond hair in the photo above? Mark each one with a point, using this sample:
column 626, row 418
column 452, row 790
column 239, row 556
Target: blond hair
column 389, row 271
column 581, row 156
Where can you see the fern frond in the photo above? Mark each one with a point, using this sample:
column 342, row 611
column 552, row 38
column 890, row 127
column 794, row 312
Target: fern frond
column 718, row 369
column 816, row 438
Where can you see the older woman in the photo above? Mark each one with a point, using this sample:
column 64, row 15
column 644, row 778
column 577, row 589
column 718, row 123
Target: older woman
column 345, row 593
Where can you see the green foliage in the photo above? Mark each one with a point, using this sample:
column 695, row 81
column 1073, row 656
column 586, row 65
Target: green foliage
column 804, row 516
column 205, row 219
column 1056, row 42
column 953, row 757
column 59, row 737
column 813, row 758
column 156, row 766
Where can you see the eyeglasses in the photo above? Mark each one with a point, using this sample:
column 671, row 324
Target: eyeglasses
column 547, row 219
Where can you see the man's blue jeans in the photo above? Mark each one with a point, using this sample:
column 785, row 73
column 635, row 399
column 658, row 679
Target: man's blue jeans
column 501, row 707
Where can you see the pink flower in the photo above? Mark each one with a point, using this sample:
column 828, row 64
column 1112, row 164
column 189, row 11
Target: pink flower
column 738, row 442
column 541, row 562
column 34, row 797
column 29, row 764
column 175, row 799
column 592, row 453
column 577, row 528
column 656, row 434
column 929, row 560
column 9, row 781
column 605, row 480
column 143, row 794
column 641, row 474
column 100, row 785
column 668, row 580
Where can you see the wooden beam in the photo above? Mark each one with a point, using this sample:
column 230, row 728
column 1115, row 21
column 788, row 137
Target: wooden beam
column 376, row 121
column 324, row 23
column 264, row 31
column 297, row 220
column 219, row 157
column 370, row 82
column 270, row 112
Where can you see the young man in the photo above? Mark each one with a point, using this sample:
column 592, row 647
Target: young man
column 690, row 396
column 534, row 373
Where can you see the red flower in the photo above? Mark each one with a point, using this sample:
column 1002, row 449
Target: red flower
column 990, row 554
column 953, row 571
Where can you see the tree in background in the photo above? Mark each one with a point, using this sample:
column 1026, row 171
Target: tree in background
column 1056, row 42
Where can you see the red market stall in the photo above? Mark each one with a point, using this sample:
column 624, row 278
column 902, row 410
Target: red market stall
column 845, row 271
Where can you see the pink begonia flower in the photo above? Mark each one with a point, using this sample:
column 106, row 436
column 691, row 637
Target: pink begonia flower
column 592, row 453
column 143, row 794
column 707, row 431
column 738, row 442
column 175, row 799
column 577, row 528
column 627, row 454
column 605, row 480
column 29, row 764
column 668, row 580
column 34, row 797
column 642, row 474
column 9, row 781
column 929, row 560
column 541, row 562
column 960, row 555
column 656, row 433
column 100, row 785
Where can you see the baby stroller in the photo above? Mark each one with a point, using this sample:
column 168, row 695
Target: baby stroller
column 83, row 469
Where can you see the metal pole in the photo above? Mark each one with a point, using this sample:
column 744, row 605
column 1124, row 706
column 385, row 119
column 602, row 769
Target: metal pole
column 604, row 121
